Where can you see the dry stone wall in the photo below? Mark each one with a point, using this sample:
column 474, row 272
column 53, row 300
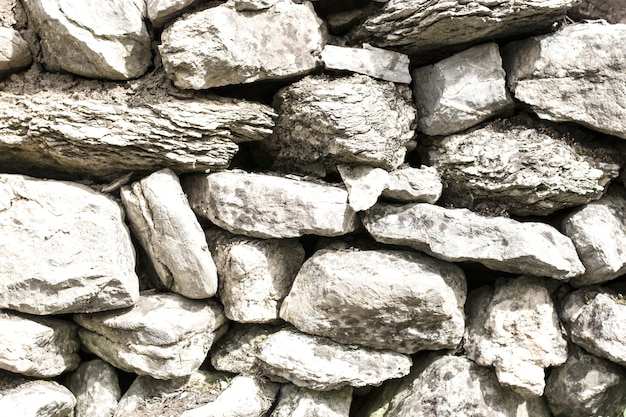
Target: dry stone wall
column 275, row 208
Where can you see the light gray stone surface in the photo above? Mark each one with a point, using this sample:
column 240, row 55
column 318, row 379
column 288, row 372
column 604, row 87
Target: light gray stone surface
column 237, row 352
column 24, row 398
column 294, row 401
column 161, row 11
column 375, row 62
column 612, row 11
column 14, row 52
column 96, row 387
column 458, row 235
column 364, row 184
column 413, row 185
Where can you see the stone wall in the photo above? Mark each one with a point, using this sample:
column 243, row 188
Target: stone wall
column 333, row 209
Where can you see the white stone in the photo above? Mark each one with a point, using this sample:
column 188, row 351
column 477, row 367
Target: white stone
column 414, row 185
column 161, row 11
column 375, row 62
column 364, row 184
column 236, row 352
column 96, row 387
column 25, row 398
column 294, row 401
column 14, row 52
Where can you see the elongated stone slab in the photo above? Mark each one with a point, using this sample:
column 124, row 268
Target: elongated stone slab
column 375, row 62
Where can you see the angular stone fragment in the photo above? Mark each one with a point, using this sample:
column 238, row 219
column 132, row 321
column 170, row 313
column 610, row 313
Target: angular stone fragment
column 169, row 232
column 459, row 235
column 93, row 39
column 255, row 274
column 37, row 346
column 237, row 351
column 612, row 11
column 161, row 11
column 397, row 300
column 267, row 206
column 461, row 91
column 375, row 62
column 573, row 75
column 14, row 52
column 321, row 364
column 65, row 249
column 164, row 336
column 223, row 45
column 96, row 388
column 24, row 398
column 294, row 401
column 364, row 184
column 354, row 120
column 409, row 185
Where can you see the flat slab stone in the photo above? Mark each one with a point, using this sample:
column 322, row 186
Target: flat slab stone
column 14, row 52
column 27, row 398
column 296, row 401
column 375, row 62
column 414, row 185
column 96, row 387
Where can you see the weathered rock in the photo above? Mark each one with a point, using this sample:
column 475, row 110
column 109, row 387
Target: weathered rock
column 169, row 232
column 222, row 45
column 65, row 249
column 612, row 11
column 573, row 75
column 408, row 185
column 24, row 398
column 161, row 11
column 96, row 388
column 461, row 91
column 515, row 328
column 375, row 62
column 14, row 52
column 321, row 364
column 255, row 274
column 522, row 166
column 164, row 336
column 37, row 346
column 267, row 206
column 364, row 184
column 341, row 22
column 294, row 401
column 403, row 301
column 91, row 38
column 237, row 351
column 458, row 235
column 355, row 120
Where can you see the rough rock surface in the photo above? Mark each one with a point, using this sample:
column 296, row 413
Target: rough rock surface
column 458, row 235
column 408, row 185
column 354, row 120
column 168, row 230
column 573, row 75
column 461, row 91
column 255, row 274
column 222, row 45
column 161, row 11
column 267, row 206
column 612, row 11
column 294, row 401
column 515, row 328
column 65, row 249
column 37, row 346
column 24, row 398
column 14, row 52
column 164, row 336
column 237, row 351
column 522, row 166
column 364, row 184
column 96, row 388
column 91, row 38
column 402, row 301
column 375, row 62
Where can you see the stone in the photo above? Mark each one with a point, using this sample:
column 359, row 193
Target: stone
column 610, row 10
column 42, row 347
column 223, row 45
column 168, row 230
column 459, row 235
column 461, row 91
column 375, row 62
column 364, row 184
column 341, row 22
column 267, row 206
column 320, row 364
column 164, row 336
column 161, row 12
column 324, row 121
column 14, row 52
column 65, row 248
column 26, row 398
column 92, row 39
column 522, row 166
column 403, row 301
column 294, row 401
column 96, row 387
column 515, row 329
column 255, row 274
column 414, row 185
column 573, row 75
column 236, row 352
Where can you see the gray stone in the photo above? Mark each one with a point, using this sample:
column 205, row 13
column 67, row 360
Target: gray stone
column 294, row 401
column 573, row 75
column 612, row 11
column 37, row 346
column 161, row 11
column 237, row 351
column 14, row 52
column 402, row 301
column 164, row 336
column 375, row 62
column 91, row 38
column 222, row 45
column 267, row 206
column 65, row 248
column 96, row 388
column 319, row 363
column 459, row 235
column 255, row 274
column 168, row 230
column 461, row 91
column 414, row 185
column 364, row 184
column 24, row 398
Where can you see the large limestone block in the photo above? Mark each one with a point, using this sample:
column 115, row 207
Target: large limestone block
column 267, row 206
column 375, row 62
column 573, row 75
column 37, row 346
column 355, row 120
column 164, row 336
column 612, row 11
column 92, row 38
column 14, row 52
column 403, row 301
column 294, row 401
column 459, row 235
column 414, row 185
column 225, row 45
column 168, row 230
column 65, row 249
column 236, row 352
column 25, row 398
column 96, row 387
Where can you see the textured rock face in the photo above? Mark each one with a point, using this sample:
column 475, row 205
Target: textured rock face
column 65, row 248
column 458, row 235
column 611, row 10
column 375, row 62
column 34, row 398
column 223, row 45
column 96, row 388
column 267, row 206
column 461, row 91
column 160, row 11
column 324, row 121
column 402, row 301
column 93, row 39
column 573, row 75
column 408, row 185
column 237, row 351
column 294, row 401
column 364, row 184
column 14, row 52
